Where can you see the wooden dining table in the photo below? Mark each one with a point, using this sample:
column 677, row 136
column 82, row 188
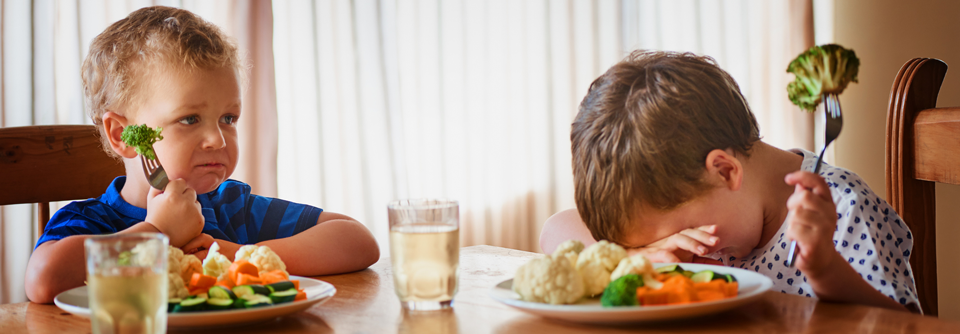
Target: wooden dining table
column 365, row 302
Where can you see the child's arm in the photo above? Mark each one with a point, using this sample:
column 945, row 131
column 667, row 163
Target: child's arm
column 563, row 226
column 813, row 220
column 57, row 266
column 337, row 244
column 684, row 246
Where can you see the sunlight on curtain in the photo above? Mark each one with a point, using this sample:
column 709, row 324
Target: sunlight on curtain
column 41, row 59
column 473, row 100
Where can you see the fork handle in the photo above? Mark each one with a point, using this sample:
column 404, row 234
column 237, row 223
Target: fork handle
column 792, row 255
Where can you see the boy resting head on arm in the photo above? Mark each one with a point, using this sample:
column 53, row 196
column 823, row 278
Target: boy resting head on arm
column 168, row 68
column 667, row 161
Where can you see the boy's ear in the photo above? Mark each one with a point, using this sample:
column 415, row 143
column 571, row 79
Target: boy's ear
column 113, row 125
column 724, row 168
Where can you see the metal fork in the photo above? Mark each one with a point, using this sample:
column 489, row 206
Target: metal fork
column 832, row 125
column 154, row 172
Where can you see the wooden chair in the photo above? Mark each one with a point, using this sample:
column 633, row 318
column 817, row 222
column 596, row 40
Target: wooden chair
column 43, row 164
column 922, row 149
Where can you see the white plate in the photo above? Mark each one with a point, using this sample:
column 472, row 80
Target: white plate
column 75, row 301
column 588, row 310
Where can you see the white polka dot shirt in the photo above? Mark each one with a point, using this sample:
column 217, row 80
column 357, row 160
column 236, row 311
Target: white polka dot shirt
column 869, row 235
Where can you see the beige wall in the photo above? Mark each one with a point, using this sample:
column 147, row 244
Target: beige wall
column 885, row 34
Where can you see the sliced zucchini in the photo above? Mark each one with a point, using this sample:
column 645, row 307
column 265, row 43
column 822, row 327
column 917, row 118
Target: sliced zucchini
column 651, row 282
column 729, row 278
column 255, row 300
column 704, row 276
column 219, row 303
column 252, row 289
column 285, row 296
column 220, row 292
column 191, row 305
column 172, row 303
column 281, row 286
column 688, row 273
column 670, row 269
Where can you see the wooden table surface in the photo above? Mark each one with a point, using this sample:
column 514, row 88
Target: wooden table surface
column 365, row 303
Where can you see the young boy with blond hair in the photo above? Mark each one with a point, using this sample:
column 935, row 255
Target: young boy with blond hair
column 668, row 162
column 167, row 67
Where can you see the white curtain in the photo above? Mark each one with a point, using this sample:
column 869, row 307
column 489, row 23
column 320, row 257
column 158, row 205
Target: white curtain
column 472, row 100
column 44, row 43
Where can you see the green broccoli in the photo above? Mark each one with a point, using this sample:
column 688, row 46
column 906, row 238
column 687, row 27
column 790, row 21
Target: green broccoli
column 622, row 291
column 824, row 69
column 142, row 137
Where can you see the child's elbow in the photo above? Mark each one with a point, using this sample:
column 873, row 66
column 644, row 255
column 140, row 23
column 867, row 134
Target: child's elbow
column 368, row 249
column 39, row 284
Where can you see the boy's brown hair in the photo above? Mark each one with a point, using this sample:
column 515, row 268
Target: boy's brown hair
column 643, row 133
column 150, row 39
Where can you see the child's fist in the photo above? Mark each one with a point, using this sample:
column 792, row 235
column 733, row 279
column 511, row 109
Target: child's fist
column 175, row 211
column 680, row 247
column 813, row 219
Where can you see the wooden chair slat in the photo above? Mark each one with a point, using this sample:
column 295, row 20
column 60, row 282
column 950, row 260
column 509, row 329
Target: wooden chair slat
column 918, row 151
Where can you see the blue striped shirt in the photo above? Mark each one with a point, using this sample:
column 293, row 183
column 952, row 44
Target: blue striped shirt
column 230, row 212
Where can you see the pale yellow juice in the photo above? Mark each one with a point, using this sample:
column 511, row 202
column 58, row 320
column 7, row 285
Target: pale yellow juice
column 425, row 259
column 128, row 300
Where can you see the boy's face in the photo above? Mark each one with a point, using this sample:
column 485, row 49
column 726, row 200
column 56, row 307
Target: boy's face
column 198, row 112
column 739, row 222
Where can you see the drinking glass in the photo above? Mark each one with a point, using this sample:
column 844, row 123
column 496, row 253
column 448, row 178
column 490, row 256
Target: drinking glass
column 425, row 252
column 127, row 283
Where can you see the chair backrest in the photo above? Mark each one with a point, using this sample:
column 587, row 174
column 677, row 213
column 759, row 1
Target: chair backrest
column 42, row 164
column 922, row 149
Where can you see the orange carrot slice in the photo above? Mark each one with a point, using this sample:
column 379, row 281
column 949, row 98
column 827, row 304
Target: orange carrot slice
column 300, row 296
column 245, row 279
column 201, row 281
column 242, row 267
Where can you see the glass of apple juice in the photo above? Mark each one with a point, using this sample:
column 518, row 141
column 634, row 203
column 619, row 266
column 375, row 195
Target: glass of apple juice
column 127, row 283
column 425, row 252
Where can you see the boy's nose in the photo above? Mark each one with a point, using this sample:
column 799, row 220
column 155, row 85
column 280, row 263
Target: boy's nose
column 214, row 139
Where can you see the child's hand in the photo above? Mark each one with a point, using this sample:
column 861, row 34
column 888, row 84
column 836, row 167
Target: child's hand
column 813, row 219
column 198, row 246
column 175, row 212
column 680, row 247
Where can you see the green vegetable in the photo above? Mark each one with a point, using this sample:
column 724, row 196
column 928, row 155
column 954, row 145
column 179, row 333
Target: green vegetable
column 250, row 301
column 622, row 291
column 191, row 305
column 220, row 292
column 824, row 69
column 287, row 296
column 142, row 137
column 704, row 276
column 219, row 303
column 281, row 286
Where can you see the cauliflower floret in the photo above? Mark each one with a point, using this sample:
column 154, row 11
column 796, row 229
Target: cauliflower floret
column 603, row 252
column 175, row 287
column 549, row 279
column 189, row 265
column 262, row 257
column 595, row 278
column 570, row 249
column 637, row 264
column 216, row 264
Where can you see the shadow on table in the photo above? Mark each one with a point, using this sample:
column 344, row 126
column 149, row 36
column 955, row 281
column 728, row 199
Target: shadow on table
column 761, row 317
column 432, row 322
column 301, row 322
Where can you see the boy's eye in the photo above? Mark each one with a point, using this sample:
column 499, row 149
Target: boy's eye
column 189, row 120
column 229, row 119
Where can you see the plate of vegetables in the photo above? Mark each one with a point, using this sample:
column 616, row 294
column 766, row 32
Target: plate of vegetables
column 602, row 284
column 254, row 287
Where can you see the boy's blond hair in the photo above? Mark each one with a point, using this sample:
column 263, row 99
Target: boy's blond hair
column 643, row 133
column 150, row 39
